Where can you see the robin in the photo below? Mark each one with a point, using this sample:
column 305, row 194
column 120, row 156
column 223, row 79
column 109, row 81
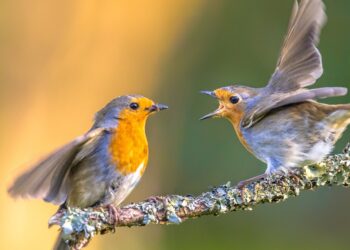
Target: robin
column 282, row 124
column 99, row 168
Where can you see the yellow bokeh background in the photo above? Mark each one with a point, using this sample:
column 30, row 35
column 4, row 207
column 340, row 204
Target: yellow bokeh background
column 61, row 61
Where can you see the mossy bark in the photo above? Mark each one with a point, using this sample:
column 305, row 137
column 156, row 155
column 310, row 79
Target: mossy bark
column 80, row 225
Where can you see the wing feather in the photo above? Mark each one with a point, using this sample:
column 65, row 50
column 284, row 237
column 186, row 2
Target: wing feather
column 299, row 65
column 48, row 179
column 267, row 103
column 300, row 62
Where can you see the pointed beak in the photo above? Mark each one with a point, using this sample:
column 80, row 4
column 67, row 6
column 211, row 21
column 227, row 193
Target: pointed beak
column 217, row 112
column 209, row 93
column 157, row 107
column 214, row 114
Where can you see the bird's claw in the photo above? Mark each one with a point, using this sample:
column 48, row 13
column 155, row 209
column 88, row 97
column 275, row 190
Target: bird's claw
column 241, row 187
column 243, row 184
column 154, row 199
column 113, row 213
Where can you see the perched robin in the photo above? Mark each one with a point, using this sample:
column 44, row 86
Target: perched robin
column 99, row 168
column 282, row 124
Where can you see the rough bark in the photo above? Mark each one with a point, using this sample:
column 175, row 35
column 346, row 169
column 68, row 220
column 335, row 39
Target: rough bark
column 80, row 225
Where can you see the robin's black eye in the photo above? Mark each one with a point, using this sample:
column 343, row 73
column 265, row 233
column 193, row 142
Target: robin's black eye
column 134, row 105
column 234, row 99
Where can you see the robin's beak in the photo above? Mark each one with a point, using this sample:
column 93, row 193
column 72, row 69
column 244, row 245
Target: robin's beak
column 157, row 107
column 217, row 112
column 209, row 93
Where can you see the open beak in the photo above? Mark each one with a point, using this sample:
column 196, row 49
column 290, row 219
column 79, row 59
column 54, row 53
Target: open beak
column 214, row 114
column 157, row 107
column 209, row 93
column 217, row 112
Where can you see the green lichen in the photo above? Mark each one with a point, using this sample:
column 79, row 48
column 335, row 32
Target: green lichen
column 80, row 225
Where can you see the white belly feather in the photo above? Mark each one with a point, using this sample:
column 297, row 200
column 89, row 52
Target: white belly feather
column 127, row 184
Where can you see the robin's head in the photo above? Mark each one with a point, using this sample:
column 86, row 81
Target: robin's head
column 232, row 102
column 132, row 108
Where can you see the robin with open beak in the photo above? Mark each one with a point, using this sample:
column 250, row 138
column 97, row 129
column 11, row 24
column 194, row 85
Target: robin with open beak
column 282, row 124
column 99, row 168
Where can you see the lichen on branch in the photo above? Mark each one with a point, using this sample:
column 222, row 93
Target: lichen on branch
column 80, row 225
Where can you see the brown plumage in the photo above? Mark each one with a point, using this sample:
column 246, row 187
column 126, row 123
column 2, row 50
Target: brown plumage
column 100, row 167
column 282, row 124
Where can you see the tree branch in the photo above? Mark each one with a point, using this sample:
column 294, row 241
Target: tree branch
column 80, row 225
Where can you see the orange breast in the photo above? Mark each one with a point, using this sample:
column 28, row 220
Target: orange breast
column 235, row 119
column 129, row 146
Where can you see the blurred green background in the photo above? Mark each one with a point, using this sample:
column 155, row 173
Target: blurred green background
column 63, row 60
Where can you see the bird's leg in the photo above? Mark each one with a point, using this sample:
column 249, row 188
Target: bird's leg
column 246, row 182
column 242, row 184
column 113, row 213
column 154, row 199
column 290, row 173
column 61, row 208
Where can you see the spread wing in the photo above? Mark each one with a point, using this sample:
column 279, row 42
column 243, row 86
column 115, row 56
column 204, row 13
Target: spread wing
column 48, row 179
column 299, row 64
column 272, row 101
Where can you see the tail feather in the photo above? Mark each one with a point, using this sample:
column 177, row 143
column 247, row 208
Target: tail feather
column 340, row 119
column 60, row 243
column 340, row 115
column 344, row 107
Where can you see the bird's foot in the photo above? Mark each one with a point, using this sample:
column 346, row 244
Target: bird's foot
column 154, row 199
column 288, row 173
column 113, row 213
column 242, row 184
